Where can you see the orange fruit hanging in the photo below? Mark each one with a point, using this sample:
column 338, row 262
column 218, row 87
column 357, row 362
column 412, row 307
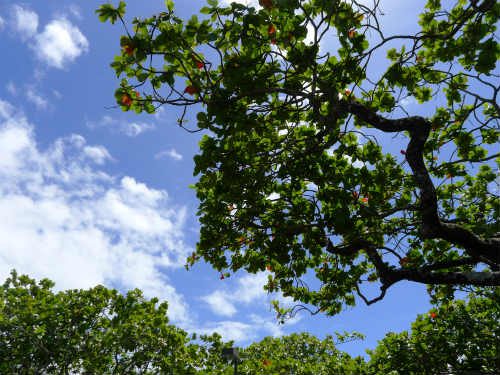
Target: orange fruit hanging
column 190, row 89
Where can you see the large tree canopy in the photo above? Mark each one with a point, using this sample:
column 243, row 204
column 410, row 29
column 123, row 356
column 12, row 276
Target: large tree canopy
column 96, row 331
column 298, row 171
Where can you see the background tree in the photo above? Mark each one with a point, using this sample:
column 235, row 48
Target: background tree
column 101, row 332
column 97, row 331
column 299, row 354
column 458, row 335
column 286, row 122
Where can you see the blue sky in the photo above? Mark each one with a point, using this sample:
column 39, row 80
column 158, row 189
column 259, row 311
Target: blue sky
column 90, row 195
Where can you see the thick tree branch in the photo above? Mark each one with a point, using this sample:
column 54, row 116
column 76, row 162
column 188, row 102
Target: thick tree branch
column 432, row 226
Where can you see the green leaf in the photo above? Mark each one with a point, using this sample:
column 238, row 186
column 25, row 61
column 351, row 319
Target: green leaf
column 170, row 5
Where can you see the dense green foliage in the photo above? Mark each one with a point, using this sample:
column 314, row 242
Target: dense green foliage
column 287, row 124
column 96, row 330
column 458, row 336
column 99, row 331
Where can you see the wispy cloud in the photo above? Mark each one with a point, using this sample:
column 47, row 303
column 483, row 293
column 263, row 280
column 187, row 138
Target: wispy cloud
column 11, row 88
column 131, row 129
column 35, row 98
column 59, row 43
column 75, row 11
column 83, row 226
column 169, row 153
column 25, row 21
column 57, row 94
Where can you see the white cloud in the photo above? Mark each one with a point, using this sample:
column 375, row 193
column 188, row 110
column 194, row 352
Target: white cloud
column 131, row 129
column 250, row 289
column 36, row 99
column 11, row 88
column 2, row 23
column 25, row 21
column 275, row 329
column 169, row 153
column 60, row 43
column 231, row 330
column 76, row 225
column 97, row 154
column 219, row 303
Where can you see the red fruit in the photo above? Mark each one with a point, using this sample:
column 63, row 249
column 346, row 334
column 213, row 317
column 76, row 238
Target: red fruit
column 266, row 3
column 190, row 89
column 351, row 33
column 273, row 236
column 403, row 261
column 273, row 41
column 127, row 100
column 137, row 94
column 271, row 29
column 348, row 92
column 364, row 200
column 266, row 362
column 199, row 65
column 433, row 315
column 129, row 49
column 222, row 277
column 240, row 239
column 419, row 58
column 268, row 268
column 448, row 175
column 403, row 152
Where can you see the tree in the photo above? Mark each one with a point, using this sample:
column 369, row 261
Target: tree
column 287, row 122
column 299, row 354
column 96, row 331
column 99, row 331
column 458, row 335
